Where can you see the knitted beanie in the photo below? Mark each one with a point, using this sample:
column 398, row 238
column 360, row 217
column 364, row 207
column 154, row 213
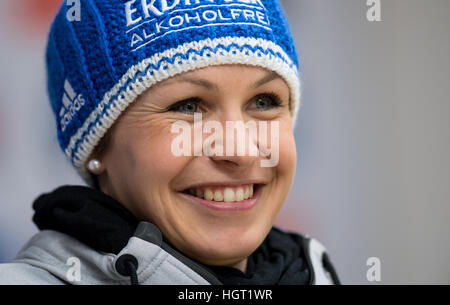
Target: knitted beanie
column 102, row 54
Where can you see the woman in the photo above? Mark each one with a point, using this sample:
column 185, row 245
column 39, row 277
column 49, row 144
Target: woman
column 148, row 99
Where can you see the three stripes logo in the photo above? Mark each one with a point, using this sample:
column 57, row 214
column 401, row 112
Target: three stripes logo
column 72, row 102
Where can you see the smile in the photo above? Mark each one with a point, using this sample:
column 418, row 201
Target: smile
column 225, row 198
column 225, row 194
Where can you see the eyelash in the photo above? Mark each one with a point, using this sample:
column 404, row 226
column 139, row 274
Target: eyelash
column 276, row 102
column 174, row 107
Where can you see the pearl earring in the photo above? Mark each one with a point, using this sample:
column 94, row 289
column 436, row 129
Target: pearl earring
column 94, row 166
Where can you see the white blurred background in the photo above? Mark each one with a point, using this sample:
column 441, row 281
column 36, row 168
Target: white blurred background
column 373, row 136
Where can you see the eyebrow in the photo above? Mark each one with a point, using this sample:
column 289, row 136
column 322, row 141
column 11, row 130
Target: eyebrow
column 270, row 76
column 200, row 82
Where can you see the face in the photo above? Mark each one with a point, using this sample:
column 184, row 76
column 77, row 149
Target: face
column 215, row 209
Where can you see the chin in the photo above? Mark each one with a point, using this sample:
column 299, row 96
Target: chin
column 227, row 247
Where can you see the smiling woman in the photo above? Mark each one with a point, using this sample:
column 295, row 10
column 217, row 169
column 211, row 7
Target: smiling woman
column 155, row 191
column 148, row 213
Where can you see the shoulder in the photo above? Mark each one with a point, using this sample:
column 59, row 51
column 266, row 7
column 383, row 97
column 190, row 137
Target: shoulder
column 41, row 261
column 25, row 274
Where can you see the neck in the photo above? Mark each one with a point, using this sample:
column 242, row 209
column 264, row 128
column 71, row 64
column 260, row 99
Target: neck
column 242, row 265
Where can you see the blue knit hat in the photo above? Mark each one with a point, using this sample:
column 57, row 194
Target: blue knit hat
column 102, row 54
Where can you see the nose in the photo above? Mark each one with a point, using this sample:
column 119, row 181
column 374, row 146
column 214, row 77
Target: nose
column 237, row 145
column 234, row 161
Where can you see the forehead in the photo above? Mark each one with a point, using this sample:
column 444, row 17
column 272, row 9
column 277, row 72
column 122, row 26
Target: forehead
column 211, row 77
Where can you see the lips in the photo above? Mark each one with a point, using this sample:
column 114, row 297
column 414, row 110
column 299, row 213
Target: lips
column 225, row 197
column 223, row 193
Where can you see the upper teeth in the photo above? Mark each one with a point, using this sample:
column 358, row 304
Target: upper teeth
column 227, row 194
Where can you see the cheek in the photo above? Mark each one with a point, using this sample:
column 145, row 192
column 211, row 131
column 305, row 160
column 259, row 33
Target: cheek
column 288, row 153
column 144, row 157
column 152, row 157
column 283, row 172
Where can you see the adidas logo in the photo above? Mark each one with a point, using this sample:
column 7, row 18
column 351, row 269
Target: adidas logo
column 72, row 102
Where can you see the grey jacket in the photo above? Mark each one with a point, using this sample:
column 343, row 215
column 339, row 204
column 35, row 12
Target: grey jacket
column 55, row 258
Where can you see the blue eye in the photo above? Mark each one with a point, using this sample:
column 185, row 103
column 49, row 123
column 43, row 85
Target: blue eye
column 189, row 106
column 266, row 101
